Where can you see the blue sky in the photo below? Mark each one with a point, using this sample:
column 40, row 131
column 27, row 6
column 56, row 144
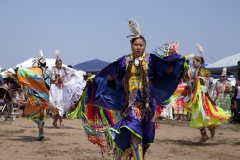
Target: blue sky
column 96, row 29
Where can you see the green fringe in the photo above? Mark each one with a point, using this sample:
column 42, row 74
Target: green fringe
column 103, row 117
column 78, row 112
column 33, row 117
column 186, row 67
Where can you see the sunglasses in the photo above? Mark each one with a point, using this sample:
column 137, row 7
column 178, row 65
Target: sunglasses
column 223, row 76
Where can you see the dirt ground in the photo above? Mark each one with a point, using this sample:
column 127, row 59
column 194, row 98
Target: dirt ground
column 173, row 141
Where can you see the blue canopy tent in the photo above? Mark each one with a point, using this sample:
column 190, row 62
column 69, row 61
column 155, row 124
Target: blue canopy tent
column 95, row 65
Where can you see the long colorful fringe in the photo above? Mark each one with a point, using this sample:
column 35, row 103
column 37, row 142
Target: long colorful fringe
column 39, row 115
column 201, row 99
column 34, row 88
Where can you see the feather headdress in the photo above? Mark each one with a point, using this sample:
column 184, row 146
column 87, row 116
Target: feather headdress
column 57, row 53
column 224, row 71
column 200, row 49
column 41, row 60
column 134, row 28
column 41, row 53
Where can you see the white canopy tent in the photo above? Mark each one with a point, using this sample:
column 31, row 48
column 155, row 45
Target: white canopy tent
column 230, row 62
column 28, row 63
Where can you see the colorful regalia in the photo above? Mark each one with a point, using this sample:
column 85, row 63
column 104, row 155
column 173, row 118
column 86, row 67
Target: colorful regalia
column 58, row 76
column 57, row 85
column 35, row 84
column 204, row 112
column 107, row 122
column 178, row 108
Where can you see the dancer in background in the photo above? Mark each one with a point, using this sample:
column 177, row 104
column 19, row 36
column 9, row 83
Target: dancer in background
column 35, row 84
column 58, row 75
column 205, row 113
column 129, row 87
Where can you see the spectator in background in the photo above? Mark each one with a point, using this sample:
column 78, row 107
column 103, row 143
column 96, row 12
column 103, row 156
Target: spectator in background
column 22, row 101
column 223, row 92
column 15, row 101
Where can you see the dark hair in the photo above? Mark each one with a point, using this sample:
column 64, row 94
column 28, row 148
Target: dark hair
column 70, row 66
column 57, row 60
column 42, row 64
column 134, row 39
column 199, row 59
column 16, row 69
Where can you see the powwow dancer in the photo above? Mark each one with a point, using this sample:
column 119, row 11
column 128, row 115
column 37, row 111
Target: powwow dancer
column 205, row 113
column 35, row 83
column 118, row 106
column 58, row 75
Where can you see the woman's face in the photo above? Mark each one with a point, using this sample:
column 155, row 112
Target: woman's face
column 196, row 63
column 138, row 47
column 59, row 64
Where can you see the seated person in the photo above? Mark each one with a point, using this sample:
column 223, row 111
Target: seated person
column 21, row 98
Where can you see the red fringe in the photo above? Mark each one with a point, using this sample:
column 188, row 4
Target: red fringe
column 100, row 142
column 93, row 112
column 110, row 117
column 159, row 110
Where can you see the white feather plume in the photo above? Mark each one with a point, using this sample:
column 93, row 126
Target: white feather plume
column 57, row 53
column 224, row 71
column 191, row 56
column 200, row 49
column 41, row 53
column 134, row 28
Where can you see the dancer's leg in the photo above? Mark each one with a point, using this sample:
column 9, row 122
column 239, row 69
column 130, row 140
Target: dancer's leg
column 61, row 120
column 204, row 137
column 212, row 131
column 55, row 118
column 137, row 148
column 145, row 148
column 40, row 122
